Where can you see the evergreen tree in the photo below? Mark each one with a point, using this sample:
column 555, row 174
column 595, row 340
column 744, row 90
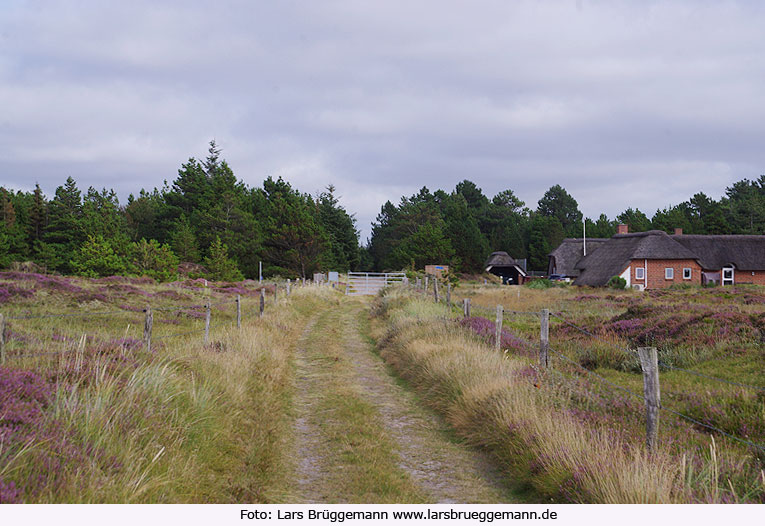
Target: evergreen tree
column 636, row 220
column 745, row 206
column 461, row 229
column 64, row 233
column 507, row 224
column 673, row 217
column 219, row 266
column 97, row 258
column 602, row 228
column 184, row 241
column 546, row 233
column 149, row 258
column 13, row 231
column 558, row 203
column 294, row 239
column 427, row 245
column 342, row 251
column 38, row 217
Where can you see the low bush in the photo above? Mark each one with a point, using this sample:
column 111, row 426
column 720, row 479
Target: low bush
column 617, row 282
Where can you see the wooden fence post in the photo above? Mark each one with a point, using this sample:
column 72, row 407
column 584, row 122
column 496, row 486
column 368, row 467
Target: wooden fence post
column 435, row 289
column 498, row 327
column 288, row 286
column 238, row 311
column 2, row 339
column 449, row 293
column 207, row 322
column 147, row 326
column 544, row 337
column 649, row 362
column 426, row 284
column 262, row 301
column 466, row 307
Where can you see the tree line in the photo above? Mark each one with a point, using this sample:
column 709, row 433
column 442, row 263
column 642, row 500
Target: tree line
column 463, row 227
column 206, row 220
column 209, row 223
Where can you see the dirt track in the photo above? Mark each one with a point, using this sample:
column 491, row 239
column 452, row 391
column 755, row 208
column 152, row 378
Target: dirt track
column 362, row 437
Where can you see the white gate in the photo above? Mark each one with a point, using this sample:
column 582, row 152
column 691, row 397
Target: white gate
column 361, row 283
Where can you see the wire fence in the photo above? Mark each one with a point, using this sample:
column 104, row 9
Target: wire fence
column 500, row 313
column 146, row 325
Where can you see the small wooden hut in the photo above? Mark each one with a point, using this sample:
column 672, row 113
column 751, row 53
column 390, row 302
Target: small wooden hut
column 502, row 265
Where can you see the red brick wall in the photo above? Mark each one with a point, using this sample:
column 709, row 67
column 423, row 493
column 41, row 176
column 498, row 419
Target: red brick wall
column 745, row 276
column 656, row 268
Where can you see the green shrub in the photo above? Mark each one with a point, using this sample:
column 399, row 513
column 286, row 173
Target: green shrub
column 149, row 258
column 97, row 258
column 617, row 282
column 219, row 265
column 539, row 283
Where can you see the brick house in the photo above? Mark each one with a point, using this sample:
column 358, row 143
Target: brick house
column 655, row 260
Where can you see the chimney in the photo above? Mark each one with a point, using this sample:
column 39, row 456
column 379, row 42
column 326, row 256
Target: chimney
column 622, row 229
column 678, row 231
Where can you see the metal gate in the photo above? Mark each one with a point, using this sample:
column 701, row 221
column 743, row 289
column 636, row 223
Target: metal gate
column 369, row 283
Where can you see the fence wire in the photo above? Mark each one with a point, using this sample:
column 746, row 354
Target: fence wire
column 66, row 315
column 596, row 375
column 666, row 365
column 708, row 377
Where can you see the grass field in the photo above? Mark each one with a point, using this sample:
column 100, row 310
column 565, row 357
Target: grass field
column 90, row 416
column 300, row 397
column 717, row 332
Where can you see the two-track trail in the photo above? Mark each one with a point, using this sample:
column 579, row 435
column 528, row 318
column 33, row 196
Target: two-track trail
column 359, row 436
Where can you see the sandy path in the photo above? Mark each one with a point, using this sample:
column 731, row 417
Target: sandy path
column 443, row 470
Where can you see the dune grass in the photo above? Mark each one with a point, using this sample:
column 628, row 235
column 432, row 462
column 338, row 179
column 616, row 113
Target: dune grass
column 570, row 441
column 109, row 422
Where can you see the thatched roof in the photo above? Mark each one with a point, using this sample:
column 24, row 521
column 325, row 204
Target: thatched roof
column 615, row 254
column 563, row 259
column 717, row 251
column 500, row 259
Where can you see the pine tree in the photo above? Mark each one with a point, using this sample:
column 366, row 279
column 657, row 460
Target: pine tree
column 219, row 266
column 64, row 233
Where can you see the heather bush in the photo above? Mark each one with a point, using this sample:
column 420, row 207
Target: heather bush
column 486, row 329
column 102, row 420
column 9, row 291
column 718, row 333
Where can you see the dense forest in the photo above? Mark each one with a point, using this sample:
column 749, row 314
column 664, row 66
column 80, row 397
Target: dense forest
column 463, row 227
column 206, row 220
column 211, row 224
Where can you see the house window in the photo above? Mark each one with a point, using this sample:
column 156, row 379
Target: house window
column 669, row 273
column 686, row 273
column 639, row 273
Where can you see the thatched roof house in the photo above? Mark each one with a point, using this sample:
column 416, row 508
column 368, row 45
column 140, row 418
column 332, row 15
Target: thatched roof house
column 510, row 270
column 614, row 256
column 655, row 259
column 563, row 260
column 716, row 252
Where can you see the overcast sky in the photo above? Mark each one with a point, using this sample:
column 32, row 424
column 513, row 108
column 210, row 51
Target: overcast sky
column 637, row 104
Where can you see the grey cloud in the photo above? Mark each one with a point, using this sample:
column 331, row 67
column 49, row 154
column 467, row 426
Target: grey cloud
column 642, row 102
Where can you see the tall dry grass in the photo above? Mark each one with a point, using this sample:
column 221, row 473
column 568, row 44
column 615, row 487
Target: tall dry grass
column 489, row 401
column 191, row 423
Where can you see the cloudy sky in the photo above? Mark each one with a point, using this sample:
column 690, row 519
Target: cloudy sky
column 637, row 104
